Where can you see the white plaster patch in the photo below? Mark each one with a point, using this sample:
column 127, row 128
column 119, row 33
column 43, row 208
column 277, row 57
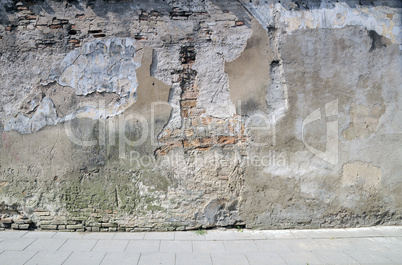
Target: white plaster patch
column 101, row 66
column 44, row 115
column 385, row 21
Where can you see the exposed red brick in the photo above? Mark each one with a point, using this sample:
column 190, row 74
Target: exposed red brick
column 191, row 143
column 74, row 41
column 184, row 113
column 188, row 103
column 196, row 112
column 172, row 142
column 189, row 132
column 30, row 17
column 8, row 28
column 226, row 140
column 207, row 141
column 162, row 151
column 205, row 148
column 206, row 120
column 196, row 122
column 79, row 16
column 239, row 23
column 190, row 95
column 55, row 26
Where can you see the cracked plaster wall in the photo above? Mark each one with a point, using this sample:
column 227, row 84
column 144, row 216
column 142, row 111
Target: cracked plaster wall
column 176, row 115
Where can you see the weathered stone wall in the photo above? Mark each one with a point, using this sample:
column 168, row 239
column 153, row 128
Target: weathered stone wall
column 175, row 115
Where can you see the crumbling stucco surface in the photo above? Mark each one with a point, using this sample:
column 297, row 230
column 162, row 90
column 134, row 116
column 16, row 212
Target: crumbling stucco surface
column 176, row 115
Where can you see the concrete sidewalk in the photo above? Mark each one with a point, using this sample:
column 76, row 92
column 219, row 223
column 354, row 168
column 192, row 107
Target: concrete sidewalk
column 372, row 245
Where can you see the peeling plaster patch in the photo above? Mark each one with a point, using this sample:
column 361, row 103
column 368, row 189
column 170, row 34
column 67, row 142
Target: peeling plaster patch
column 164, row 62
column 44, row 115
column 213, row 80
column 383, row 20
column 249, row 93
column 362, row 175
column 213, row 83
column 277, row 92
column 364, row 121
column 100, row 66
column 104, row 66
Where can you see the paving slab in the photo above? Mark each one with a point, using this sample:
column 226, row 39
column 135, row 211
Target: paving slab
column 123, row 235
column 394, row 255
column 249, row 234
column 139, row 246
column 16, row 243
column 159, row 236
column 78, row 245
column 362, row 232
column 229, row 259
column 193, row 259
column 49, row 258
column 388, row 230
column 176, row 246
column 208, row 247
column 11, row 257
column 265, row 258
column 121, row 258
column 49, row 244
column 157, row 258
column 299, row 258
column 302, row 244
column 272, row 245
column 87, row 258
column 382, row 245
column 38, row 234
column 11, row 233
column 219, row 235
column 366, row 244
column 241, row 246
column 107, row 235
column 109, row 245
column 334, row 257
column 369, row 257
column 274, row 234
column 68, row 235
column 389, row 242
column 189, row 235
column 320, row 233
column 334, row 244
